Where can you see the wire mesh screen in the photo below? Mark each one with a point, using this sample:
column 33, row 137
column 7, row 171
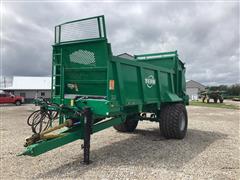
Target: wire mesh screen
column 83, row 57
column 80, row 30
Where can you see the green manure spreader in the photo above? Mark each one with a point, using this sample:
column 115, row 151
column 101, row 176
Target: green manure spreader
column 93, row 90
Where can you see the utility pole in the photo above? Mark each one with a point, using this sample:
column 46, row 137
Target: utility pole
column 4, row 81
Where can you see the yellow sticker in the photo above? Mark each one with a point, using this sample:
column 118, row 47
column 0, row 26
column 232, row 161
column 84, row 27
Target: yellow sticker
column 72, row 102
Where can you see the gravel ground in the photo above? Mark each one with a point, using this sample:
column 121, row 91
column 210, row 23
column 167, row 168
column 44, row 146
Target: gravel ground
column 236, row 103
column 209, row 151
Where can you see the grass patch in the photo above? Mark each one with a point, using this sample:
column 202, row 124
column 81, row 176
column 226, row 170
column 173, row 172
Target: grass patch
column 215, row 105
column 231, row 97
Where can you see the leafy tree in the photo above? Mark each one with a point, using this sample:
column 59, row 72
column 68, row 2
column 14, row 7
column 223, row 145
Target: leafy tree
column 233, row 90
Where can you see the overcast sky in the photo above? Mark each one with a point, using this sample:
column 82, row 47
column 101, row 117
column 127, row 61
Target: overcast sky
column 206, row 35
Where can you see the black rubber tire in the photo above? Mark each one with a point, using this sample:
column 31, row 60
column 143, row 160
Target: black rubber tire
column 18, row 103
column 221, row 100
column 129, row 125
column 215, row 100
column 171, row 126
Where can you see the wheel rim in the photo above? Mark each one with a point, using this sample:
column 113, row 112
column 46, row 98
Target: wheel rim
column 182, row 122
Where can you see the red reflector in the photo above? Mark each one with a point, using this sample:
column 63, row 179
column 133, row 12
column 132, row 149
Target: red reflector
column 111, row 84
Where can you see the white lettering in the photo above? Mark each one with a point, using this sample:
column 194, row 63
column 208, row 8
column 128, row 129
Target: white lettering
column 150, row 81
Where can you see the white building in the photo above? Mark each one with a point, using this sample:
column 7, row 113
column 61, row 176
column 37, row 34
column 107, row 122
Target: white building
column 30, row 87
column 193, row 89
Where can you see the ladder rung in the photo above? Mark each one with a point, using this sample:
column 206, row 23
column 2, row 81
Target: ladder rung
column 57, row 75
column 57, row 54
column 57, row 64
column 57, row 85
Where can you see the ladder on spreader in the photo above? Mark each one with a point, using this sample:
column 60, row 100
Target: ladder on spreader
column 58, row 76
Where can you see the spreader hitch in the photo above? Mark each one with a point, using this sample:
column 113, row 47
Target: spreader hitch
column 44, row 135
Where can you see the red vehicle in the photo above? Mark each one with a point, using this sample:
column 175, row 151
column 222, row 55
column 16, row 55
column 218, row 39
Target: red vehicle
column 10, row 98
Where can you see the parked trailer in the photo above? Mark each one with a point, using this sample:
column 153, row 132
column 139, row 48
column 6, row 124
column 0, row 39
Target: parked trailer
column 93, row 90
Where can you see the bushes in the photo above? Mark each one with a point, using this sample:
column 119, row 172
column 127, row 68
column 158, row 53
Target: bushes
column 230, row 91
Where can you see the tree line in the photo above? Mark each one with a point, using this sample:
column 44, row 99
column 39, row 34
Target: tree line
column 233, row 90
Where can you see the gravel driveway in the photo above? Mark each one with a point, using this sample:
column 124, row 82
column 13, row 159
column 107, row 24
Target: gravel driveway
column 210, row 150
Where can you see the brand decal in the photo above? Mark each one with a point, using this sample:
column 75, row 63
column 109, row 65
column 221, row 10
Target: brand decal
column 150, row 81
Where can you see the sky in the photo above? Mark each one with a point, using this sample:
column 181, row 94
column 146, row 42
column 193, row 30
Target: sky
column 205, row 34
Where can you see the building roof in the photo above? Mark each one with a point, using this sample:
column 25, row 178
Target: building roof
column 126, row 56
column 195, row 84
column 30, row 83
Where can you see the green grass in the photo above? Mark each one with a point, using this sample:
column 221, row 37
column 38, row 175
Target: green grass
column 231, row 97
column 215, row 105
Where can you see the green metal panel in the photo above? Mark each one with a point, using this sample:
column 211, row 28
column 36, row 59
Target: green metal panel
column 99, row 107
column 150, row 85
column 130, row 80
column 144, row 82
column 83, row 66
column 88, row 66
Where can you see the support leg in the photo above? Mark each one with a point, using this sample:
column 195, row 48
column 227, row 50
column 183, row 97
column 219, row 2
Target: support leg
column 87, row 134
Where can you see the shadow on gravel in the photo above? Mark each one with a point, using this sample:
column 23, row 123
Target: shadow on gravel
column 145, row 148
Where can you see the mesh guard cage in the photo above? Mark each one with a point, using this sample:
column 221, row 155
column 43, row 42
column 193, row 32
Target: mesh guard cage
column 83, row 29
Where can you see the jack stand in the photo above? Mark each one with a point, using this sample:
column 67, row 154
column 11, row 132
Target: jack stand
column 87, row 134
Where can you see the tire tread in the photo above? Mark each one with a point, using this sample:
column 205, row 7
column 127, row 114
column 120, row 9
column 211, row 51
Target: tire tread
column 169, row 121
